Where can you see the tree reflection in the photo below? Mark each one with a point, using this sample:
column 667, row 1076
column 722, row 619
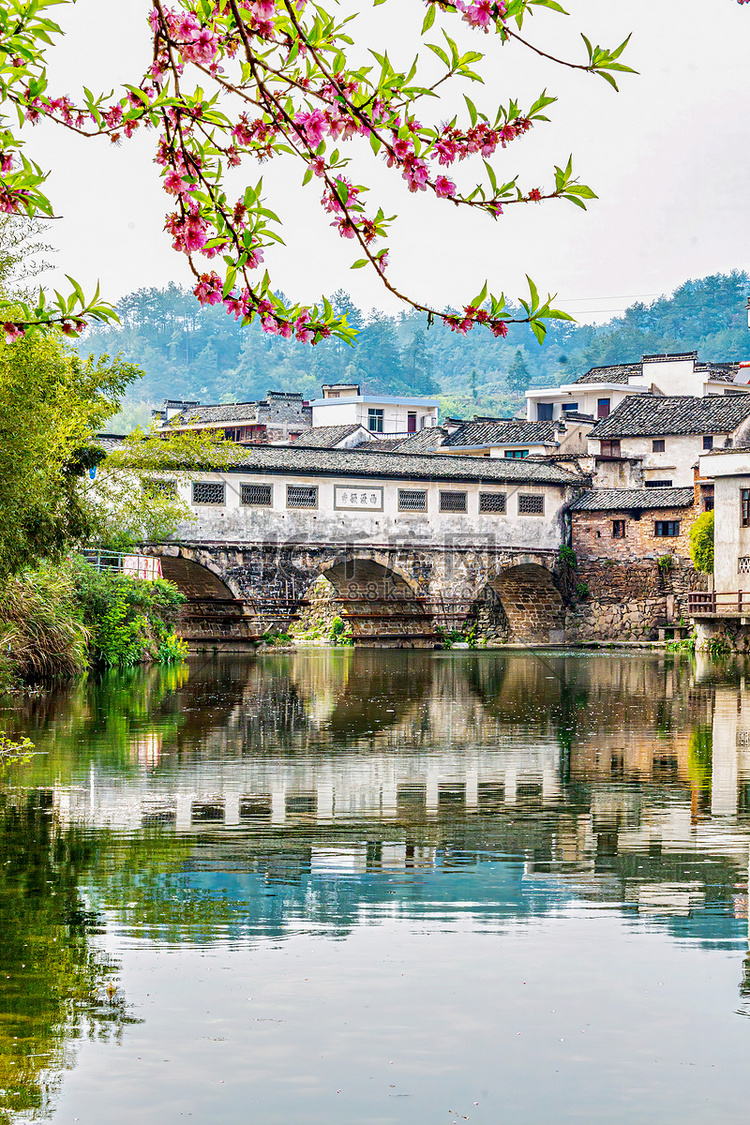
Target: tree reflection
column 53, row 978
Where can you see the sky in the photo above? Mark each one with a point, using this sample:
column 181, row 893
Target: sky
column 668, row 157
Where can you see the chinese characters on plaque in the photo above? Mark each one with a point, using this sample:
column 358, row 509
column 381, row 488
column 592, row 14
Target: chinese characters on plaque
column 360, row 499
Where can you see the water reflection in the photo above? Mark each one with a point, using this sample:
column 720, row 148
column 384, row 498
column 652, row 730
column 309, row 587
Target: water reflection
column 256, row 800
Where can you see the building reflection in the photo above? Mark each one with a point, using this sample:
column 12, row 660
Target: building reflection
column 596, row 778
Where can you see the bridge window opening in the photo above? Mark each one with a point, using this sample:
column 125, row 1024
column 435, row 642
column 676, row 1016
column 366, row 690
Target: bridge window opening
column 412, row 500
column 745, row 507
column 301, row 496
column 452, row 501
column 530, row 505
column 255, row 807
column 256, row 495
column 411, row 798
column 490, row 796
column 163, row 487
column 451, row 794
column 301, row 804
column 375, row 420
column 209, row 492
column 493, row 502
column 201, row 811
column 666, row 529
column 618, row 529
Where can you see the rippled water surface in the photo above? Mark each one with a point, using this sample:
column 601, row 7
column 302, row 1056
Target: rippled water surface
column 380, row 887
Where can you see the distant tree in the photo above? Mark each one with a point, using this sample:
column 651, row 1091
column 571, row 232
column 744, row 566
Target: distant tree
column 518, row 378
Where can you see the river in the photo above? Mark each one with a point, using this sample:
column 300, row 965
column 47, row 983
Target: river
column 379, row 887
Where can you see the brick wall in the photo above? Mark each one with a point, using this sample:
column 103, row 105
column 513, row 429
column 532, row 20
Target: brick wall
column 592, row 534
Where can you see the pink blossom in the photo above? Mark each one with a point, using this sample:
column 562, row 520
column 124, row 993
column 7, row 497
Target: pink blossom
column 13, row 332
column 175, row 185
column 208, row 289
column 415, row 174
column 444, row 187
column 313, row 125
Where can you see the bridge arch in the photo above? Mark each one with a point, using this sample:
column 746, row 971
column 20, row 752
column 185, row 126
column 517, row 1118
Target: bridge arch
column 213, row 615
column 379, row 602
column 522, row 605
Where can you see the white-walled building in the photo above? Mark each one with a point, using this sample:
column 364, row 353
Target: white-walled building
column 342, row 404
column 669, row 434
column 602, row 389
column 299, row 495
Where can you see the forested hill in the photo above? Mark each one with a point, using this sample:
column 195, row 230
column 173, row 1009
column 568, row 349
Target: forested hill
column 194, row 352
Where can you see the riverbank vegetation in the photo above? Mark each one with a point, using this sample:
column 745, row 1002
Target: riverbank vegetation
column 59, row 619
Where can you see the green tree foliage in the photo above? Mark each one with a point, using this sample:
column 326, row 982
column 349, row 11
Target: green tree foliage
column 51, row 402
column 702, row 543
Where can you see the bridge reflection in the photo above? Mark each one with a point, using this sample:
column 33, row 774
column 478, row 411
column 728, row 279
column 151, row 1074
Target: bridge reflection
column 621, row 780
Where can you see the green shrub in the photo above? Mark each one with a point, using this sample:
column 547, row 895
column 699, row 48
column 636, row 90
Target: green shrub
column 568, row 555
column 338, row 634
column 129, row 619
column 702, row 543
column 582, row 590
column 665, row 563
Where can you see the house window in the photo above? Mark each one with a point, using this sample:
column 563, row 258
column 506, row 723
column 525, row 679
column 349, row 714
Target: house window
column 618, row 529
column 411, row 422
column 602, row 408
column 530, row 505
column 412, row 500
column 743, row 564
column 333, row 394
column 492, row 502
column 544, row 411
column 452, row 501
column 375, row 421
column 611, row 448
column 570, row 407
column 516, row 452
column 745, row 506
column 658, row 484
column 707, row 497
column 666, row 529
column 208, row 492
column 301, row 496
column 657, row 445
column 708, row 441
column 256, row 495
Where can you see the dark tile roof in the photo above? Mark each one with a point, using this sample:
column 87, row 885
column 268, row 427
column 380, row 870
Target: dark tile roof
column 363, row 463
column 660, row 416
column 431, row 437
column 279, row 408
column 384, row 445
column 632, row 499
column 504, row 431
column 615, row 373
column 325, row 437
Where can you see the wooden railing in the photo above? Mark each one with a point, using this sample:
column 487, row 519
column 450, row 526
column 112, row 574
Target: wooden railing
column 734, row 604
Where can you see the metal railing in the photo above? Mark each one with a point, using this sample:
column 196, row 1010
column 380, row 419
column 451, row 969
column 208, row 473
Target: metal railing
column 146, row 567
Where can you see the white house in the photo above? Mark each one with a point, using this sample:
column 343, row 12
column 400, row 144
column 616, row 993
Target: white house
column 667, row 435
column 602, row 389
column 342, row 404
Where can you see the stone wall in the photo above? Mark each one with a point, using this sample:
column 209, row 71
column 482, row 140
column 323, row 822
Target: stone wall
column 630, row 599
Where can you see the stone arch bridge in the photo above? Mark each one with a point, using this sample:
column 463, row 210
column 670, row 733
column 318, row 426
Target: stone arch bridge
column 388, row 596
